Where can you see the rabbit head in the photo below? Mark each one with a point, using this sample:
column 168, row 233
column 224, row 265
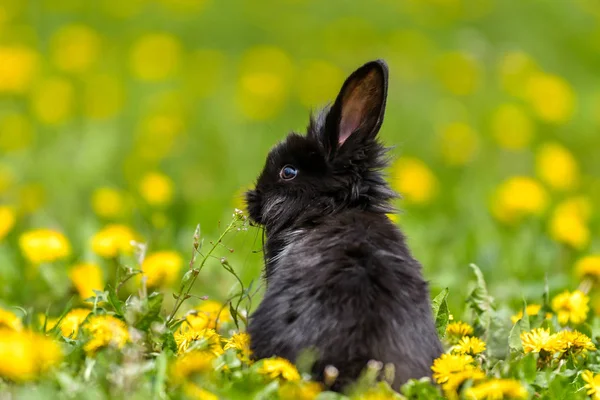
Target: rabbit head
column 335, row 166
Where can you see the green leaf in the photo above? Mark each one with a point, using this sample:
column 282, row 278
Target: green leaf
column 421, row 389
column 234, row 315
column 114, row 301
column 169, row 342
column 440, row 312
column 514, row 338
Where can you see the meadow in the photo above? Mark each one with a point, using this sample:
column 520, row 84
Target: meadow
column 129, row 131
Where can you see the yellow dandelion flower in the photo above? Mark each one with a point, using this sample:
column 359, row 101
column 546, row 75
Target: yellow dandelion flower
column 162, row 268
column 539, row 340
column 459, row 73
column 86, row 278
column 459, row 329
column 155, row 56
column 574, row 342
column 7, row 220
column 551, row 97
column 495, row 389
column 512, row 128
column 571, row 307
column 241, row 343
column 53, row 100
column 588, row 267
column 205, row 339
column 108, row 202
column 469, row 345
column 193, row 391
column 592, row 384
column 451, row 370
column 209, row 314
column 105, row 330
column 459, row 143
column 74, row 48
column 299, row 390
column 414, row 180
column 191, row 363
column 30, row 354
column 452, row 386
column 113, row 240
column 44, row 245
column 557, row 166
column 568, row 222
column 531, row 310
column 519, row 197
column 18, row 68
column 277, row 367
column 9, row 320
column 69, row 325
column 156, row 189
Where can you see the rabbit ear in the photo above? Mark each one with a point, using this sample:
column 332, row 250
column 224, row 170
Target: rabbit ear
column 360, row 106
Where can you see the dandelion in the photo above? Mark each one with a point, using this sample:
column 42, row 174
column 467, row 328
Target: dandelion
column 469, row 345
column 193, row 391
column 192, row 363
column 108, row 202
column 519, row 197
column 162, row 268
column 277, row 367
column 156, row 189
column 459, row 143
column 512, row 127
column 71, row 322
column 188, row 338
column 571, row 307
column 155, row 57
column 495, row 389
column 209, row 314
column 18, row 68
column 557, row 166
column 104, row 331
column 459, row 73
column 568, row 222
column 531, row 310
column 74, row 48
column 113, row 240
column 414, row 180
column 592, row 384
column 53, row 100
column 241, row 343
column 574, row 342
column 459, row 329
column 551, row 97
column 539, row 340
column 30, row 354
column 44, row 245
column 9, row 320
column 300, row 390
column 87, row 277
column 452, row 370
column 7, row 220
column 588, row 267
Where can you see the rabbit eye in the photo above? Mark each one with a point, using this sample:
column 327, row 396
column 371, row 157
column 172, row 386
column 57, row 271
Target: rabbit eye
column 288, row 172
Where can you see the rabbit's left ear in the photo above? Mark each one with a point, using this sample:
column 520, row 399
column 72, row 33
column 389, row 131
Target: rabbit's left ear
column 359, row 107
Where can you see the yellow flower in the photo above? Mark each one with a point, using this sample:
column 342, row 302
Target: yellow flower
column 451, row 370
column 86, row 278
column 592, row 384
column 9, row 320
column 155, row 56
column 414, row 180
column 452, row 386
column 74, row 48
column 264, row 82
column 162, row 268
column 113, row 240
column 496, row 389
column 241, row 343
column 574, row 342
column 17, row 69
column 519, row 197
column 588, row 266
column 204, row 339
column 459, row 73
column 571, row 307
column 69, row 325
column 193, row 391
column 187, row 364
column 44, row 245
column 532, row 309
column 459, row 329
column 108, row 202
column 277, row 367
column 469, row 345
column 551, row 97
column 7, row 220
column 105, row 330
column 299, row 390
column 557, row 166
column 206, row 315
column 53, row 100
column 568, row 223
column 156, row 189
column 539, row 340
column 459, row 143
column 30, row 354
column 512, row 128
column 318, row 83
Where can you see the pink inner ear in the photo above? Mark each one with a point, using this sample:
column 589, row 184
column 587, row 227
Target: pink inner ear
column 352, row 116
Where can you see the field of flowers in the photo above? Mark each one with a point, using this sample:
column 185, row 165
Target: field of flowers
column 130, row 129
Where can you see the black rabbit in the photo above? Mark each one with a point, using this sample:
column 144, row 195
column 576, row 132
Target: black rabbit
column 340, row 278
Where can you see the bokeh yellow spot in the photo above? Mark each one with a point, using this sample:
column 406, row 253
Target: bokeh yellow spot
column 113, row 240
column 9, row 320
column 519, row 197
column 108, row 202
column 158, row 134
column 414, row 180
column 459, row 73
column 155, row 56
column 7, row 220
column 551, row 97
column 156, row 189
column 569, row 222
column 16, row 132
column 162, row 268
column 52, row 100
column 17, row 69
column 511, row 127
column 459, row 143
column 87, row 277
column 515, row 69
column 30, row 354
column 44, row 245
column 588, row 267
column 75, row 48
column 556, row 166
column 103, row 96
column 264, row 82
column 318, row 83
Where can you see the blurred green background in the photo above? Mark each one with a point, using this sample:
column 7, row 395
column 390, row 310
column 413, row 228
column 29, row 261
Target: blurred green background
column 157, row 114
